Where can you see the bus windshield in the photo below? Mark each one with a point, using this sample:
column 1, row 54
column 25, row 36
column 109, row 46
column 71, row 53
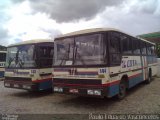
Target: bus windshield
column 20, row 56
column 80, row 50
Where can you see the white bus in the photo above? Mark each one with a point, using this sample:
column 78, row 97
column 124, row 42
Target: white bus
column 3, row 51
column 101, row 62
column 29, row 65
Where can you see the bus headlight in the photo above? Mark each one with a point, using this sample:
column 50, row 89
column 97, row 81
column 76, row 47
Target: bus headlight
column 90, row 92
column 94, row 92
column 97, row 92
column 26, row 87
column 58, row 89
column 7, row 84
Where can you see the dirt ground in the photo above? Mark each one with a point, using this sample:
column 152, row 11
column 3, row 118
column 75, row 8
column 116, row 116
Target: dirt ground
column 142, row 99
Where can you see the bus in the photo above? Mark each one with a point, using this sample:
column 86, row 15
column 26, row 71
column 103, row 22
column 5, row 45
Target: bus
column 29, row 65
column 3, row 51
column 101, row 62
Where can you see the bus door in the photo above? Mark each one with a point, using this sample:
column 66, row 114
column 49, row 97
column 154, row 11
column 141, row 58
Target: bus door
column 144, row 60
column 144, row 67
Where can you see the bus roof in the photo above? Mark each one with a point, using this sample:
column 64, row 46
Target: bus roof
column 93, row 30
column 31, row 42
column 85, row 31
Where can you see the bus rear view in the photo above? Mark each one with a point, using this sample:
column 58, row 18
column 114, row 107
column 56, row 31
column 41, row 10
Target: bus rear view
column 101, row 62
column 28, row 65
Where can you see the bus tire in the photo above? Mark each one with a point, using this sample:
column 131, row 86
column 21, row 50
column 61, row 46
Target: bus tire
column 122, row 90
column 148, row 81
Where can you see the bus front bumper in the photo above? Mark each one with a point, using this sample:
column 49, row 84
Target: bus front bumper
column 81, row 91
column 21, row 85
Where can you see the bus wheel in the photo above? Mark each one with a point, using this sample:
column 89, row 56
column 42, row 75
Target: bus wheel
column 122, row 90
column 148, row 81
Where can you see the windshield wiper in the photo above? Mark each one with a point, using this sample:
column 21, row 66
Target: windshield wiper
column 18, row 61
column 66, row 56
column 16, row 58
column 10, row 61
column 79, row 56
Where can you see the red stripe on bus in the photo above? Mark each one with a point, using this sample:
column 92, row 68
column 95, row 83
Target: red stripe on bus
column 42, row 80
column 114, row 83
column 135, row 75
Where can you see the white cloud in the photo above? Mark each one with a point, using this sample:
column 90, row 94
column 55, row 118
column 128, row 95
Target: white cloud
column 21, row 22
column 72, row 10
column 133, row 17
column 25, row 26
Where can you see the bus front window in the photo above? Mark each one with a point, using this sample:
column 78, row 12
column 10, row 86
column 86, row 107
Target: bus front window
column 80, row 50
column 89, row 50
column 64, row 52
column 20, row 56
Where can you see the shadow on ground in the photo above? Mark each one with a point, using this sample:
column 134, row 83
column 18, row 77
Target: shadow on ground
column 32, row 94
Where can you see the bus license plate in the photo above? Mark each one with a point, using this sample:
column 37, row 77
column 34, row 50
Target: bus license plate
column 16, row 85
column 73, row 90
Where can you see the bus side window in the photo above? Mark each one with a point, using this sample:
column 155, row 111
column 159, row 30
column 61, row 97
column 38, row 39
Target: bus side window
column 43, row 51
column 126, row 44
column 45, row 56
column 143, row 48
column 46, row 52
column 150, row 50
column 115, row 49
column 114, row 43
column 2, row 57
column 136, row 46
column 50, row 52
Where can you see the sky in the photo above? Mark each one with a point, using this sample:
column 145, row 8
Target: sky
column 22, row 20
